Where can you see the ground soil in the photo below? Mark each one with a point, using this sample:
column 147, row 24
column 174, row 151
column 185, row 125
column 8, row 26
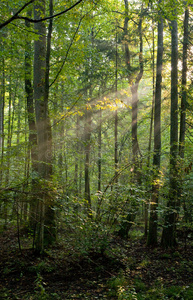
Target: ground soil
column 61, row 274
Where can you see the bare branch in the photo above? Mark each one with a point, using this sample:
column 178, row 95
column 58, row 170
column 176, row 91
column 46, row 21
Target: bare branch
column 15, row 16
column 50, row 17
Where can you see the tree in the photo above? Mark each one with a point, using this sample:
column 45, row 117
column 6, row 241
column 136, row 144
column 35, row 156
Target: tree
column 184, row 83
column 152, row 236
column 45, row 213
column 168, row 235
column 31, row 122
column 17, row 16
column 2, row 105
column 134, row 83
column 75, row 141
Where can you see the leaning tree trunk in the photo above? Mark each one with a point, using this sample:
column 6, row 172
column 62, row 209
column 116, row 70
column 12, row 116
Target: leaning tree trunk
column 168, row 235
column 152, row 235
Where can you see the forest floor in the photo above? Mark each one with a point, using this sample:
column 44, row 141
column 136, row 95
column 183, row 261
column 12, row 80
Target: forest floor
column 128, row 269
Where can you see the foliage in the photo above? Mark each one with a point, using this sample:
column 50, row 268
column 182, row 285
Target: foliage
column 88, row 200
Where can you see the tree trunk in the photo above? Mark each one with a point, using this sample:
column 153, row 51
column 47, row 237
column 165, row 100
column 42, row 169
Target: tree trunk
column 131, row 214
column 116, row 113
column 50, row 226
column 18, row 121
column 146, row 205
column 8, row 150
column 135, row 144
column 135, row 84
column 41, row 92
column 77, row 156
column 2, row 105
column 168, row 235
column 99, row 151
column 152, row 236
column 31, row 126
column 87, row 130
column 184, row 80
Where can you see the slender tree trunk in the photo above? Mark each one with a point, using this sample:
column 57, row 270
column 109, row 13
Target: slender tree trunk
column 77, row 156
column 2, row 136
column 31, row 126
column 128, row 221
column 152, row 236
column 18, row 121
column 40, row 110
column 134, row 87
column 184, row 81
column 116, row 113
column 153, row 96
column 2, row 105
column 8, row 158
column 50, row 226
column 183, row 101
column 135, row 100
column 168, row 235
column 146, row 210
column 88, row 122
column 99, row 151
column 26, row 170
column 135, row 144
column 87, row 155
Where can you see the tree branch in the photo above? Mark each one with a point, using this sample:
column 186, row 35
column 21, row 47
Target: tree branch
column 50, row 17
column 16, row 16
column 60, row 70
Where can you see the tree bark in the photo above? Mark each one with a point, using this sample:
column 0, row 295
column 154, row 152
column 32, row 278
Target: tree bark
column 87, row 130
column 99, row 151
column 50, row 226
column 41, row 92
column 184, row 82
column 131, row 214
column 116, row 113
column 168, row 235
column 134, row 87
column 152, row 235
column 2, row 105
column 31, row 125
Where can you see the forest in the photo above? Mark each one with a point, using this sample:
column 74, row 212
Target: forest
column 96, row 149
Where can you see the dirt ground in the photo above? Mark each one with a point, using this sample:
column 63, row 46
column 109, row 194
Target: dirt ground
column 62, row 274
